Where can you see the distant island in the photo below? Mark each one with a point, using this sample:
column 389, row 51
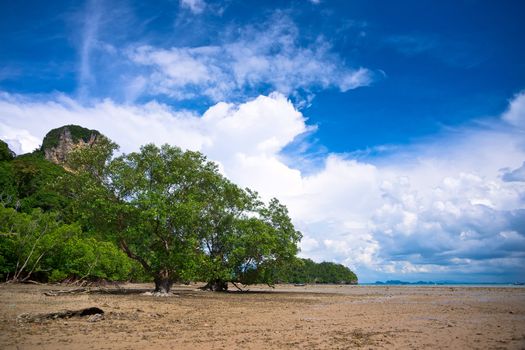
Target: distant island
column 398, row 282
column 440, row 283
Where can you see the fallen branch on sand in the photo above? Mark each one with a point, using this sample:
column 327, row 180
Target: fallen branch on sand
column 90, row 311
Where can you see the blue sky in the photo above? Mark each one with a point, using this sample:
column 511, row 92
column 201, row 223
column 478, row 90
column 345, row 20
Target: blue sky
column 392, row 130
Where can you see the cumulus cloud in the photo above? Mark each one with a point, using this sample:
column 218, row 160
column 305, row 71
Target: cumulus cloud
column 258, row 56
column 440, row 207
column 28, row 120
column 464, row 217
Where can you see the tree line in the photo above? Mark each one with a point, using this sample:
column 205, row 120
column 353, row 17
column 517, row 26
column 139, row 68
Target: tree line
column 160, row 214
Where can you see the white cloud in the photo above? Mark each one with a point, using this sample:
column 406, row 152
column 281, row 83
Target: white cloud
column 129, row 126
column 195, row 6
column 19, row 140
column 515, row 114
column 88, row 42
column 437, row 207
column 255, row 56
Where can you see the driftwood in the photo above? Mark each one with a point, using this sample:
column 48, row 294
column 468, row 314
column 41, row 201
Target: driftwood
column 90, row 311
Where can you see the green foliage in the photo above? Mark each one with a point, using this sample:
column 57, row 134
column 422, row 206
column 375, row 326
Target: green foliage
column 5, row 152
column 308, row 271
column 34, row 179
column 180, row 219
column 25, row 239
column 266, row 244
column 92, row 160
column 146, row 203
column 243, row 240
column 38, row 245
column 87, row 257
column 8, row 184
column 27, row 182
column 52, row 138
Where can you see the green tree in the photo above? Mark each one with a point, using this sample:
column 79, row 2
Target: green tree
column 5, row 152
column 244, row 241
column 175, row 214
column 83, row 257
column 160, row 191
column 223, row 208
column 8, row 188
column 26, row 182
column 308, row 271
column 25, row 239
column 147, row 202
column 40, row 246
column 269, row 242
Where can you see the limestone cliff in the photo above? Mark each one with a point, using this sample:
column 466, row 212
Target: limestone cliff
column 58, row 143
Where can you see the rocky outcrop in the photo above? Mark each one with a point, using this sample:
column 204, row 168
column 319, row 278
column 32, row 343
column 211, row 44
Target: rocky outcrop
column 59, row 143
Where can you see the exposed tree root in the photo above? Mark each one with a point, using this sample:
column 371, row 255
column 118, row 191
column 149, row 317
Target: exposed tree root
column 216, row 285
column 118, row 291
column 239, row 288
column 56, row 292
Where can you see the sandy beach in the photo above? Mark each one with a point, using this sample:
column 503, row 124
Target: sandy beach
column 290, row 317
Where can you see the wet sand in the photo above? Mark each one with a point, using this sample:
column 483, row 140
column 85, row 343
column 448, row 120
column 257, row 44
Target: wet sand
column 287, row 317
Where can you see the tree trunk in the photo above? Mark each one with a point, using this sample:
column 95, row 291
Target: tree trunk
column 216, row 285
column 163, row 282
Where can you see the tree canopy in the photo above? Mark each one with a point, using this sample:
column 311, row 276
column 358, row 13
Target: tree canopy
column 5, row 152
column 175, row 214
column 39, row 245
column 308, row 271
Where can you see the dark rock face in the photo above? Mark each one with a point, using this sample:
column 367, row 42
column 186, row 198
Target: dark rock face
column 59, row 143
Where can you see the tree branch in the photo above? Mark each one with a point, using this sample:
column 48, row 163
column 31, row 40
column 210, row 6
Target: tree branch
column 133, row 256
column 239, row 288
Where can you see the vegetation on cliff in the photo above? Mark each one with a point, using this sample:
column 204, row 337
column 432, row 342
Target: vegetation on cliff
column 78, row 133
column 5, row 152
column 27, row 182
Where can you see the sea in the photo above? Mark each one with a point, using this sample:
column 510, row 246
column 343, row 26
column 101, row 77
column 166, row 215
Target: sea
column 444, row 284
